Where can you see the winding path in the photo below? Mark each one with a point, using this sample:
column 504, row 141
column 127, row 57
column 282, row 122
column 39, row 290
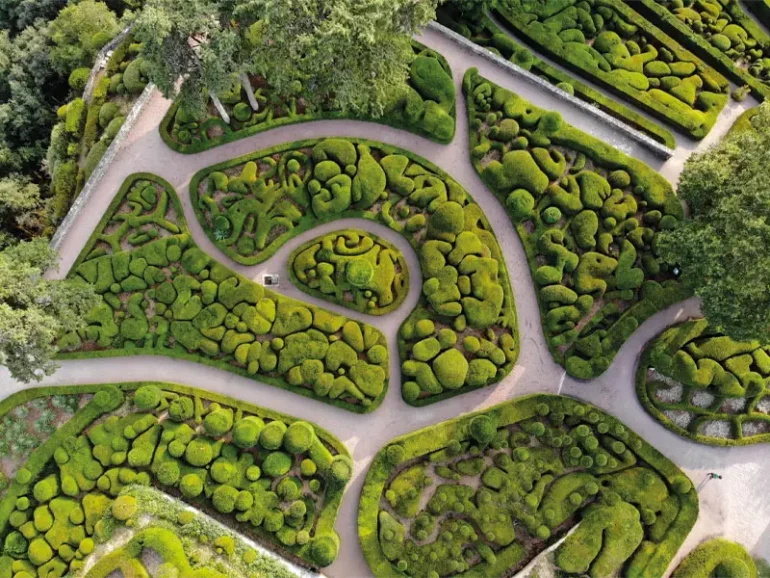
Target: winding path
column 732, row 507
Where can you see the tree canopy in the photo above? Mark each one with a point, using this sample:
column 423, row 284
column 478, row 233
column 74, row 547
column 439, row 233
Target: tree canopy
column 724, row 249
column 34, row 311
column 78, row 32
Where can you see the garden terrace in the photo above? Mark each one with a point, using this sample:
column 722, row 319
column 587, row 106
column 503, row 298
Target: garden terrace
column 426, row 107
column 718, row 557
column 588, row 217
column 609, row 43
column 162, row 295
column 178, row 537
column 352, row 268
column 485, row 32
column 272, row 477
column 482, row 494
column 463, row 332
column 721, row 33
column 705, row 386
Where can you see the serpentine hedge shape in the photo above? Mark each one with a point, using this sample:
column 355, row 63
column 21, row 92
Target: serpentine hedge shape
column 588, row 217
column 704, row 386
column 270, row 476
column 426, row 107
column 162, row 295
column 717, row 558
column 352, row 268
column 719, row 31
column 610, row 44
column 481, row 495
column 463, row 333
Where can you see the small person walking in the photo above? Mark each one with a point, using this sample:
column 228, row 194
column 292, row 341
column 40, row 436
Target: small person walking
column 714, row 476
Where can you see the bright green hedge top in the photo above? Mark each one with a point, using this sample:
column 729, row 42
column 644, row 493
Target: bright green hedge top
column 162, row 295
column 717, row 558
column 588, row 216
column 247, row 464
column 426, row 107
column 609, row 43
column 480, row 495
column 352, row 268
column 463, row 333
column 705, row 386
column 720, row 32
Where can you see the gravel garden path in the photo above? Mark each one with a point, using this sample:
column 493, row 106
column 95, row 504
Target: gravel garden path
column 736, row 507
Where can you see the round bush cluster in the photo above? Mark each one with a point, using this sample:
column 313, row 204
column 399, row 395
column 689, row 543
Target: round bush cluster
column 124, row 507
column 299, row 437
column 147, row 397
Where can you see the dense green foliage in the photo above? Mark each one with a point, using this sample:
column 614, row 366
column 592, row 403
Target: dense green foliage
column 352, row 268
column 483, row 31
column 705, row 386
column 426, row 106
column 589, row 217
column 717, row 558
column 722, row 248
column 612, row 45
column 55, row 508
column 463, row 333
column 35, row 310
column 78, row 32
column 719, row 31
column 479, row 495
column 162, row 295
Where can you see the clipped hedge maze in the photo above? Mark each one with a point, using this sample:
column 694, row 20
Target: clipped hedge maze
column 705, row 386
column 162, row 295
column 426, row 107
column 719, row 32
column 588, row 217
column 483, row 494
column 463, row 333
column 352, row 268
column 719, row 558
column 270, row 476
column 612, row 45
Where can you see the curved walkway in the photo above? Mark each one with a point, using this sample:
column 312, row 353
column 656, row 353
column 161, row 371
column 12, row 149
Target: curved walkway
column 732, row 507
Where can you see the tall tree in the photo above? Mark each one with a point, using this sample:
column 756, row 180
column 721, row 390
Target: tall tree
column 191, row 39
column 723, row 251
column 34, row 311
column 78, row 32
column 20, row 206
column 353, row 54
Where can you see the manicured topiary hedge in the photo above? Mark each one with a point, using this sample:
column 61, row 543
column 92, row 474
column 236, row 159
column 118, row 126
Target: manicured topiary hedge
column 426, row 107
column 162, row 295
column 612, row 45
column 130, row 434
column 480, row 495
column 486, row 33
column 705, row 386
column 352, row 268
column 588, row 217
column 718, row 558
column 720, row 33
column 463, row 333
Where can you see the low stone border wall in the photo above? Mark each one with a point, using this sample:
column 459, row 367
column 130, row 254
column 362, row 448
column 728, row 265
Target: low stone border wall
column 101, row 61
column 101, row 169
column 657, row 148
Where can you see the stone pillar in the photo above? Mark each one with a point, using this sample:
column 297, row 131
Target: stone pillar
column 220, row 109
column 246, row 83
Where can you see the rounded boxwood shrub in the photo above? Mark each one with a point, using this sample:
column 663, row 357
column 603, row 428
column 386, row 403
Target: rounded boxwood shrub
column 124, row 507
column 198, row 453
column 242, row 112
column 324, row 548
column 168, row 473
column 299, row 437
column 277, row 464
column 79, row 78
column 247, row 431
column 340, row 470
column 181, row 409
column 483, row 429
column 224, row 498
column 271, row 436
column 191, row 486
column 107, row 112
column 218, row 422
column 39, row 552
column 147, row 397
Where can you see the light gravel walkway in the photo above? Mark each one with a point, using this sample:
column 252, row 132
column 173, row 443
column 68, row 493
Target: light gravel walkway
column 736, row 507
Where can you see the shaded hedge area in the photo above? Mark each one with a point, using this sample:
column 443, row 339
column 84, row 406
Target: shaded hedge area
column 612, row 45
column 721, row 33
column 704, row 386
column 427, row 108
column 718, row 558
column 463, row 333
column 162, row 295
column 268, row 475
column 481, row 495
column 486, row 33
column 588, row 217
column 352, row 268
column 188, row 543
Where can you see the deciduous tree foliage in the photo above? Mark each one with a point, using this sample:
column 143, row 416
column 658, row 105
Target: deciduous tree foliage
column 724, row 249
column 35, row 311
column 78, row 32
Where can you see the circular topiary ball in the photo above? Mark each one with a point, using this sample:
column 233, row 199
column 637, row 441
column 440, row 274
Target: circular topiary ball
column 324, row 549
column 483, row 429
column 124, row 507
column 299, row 437
column 147, row 397
column 191, row 486
column 359, row 273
